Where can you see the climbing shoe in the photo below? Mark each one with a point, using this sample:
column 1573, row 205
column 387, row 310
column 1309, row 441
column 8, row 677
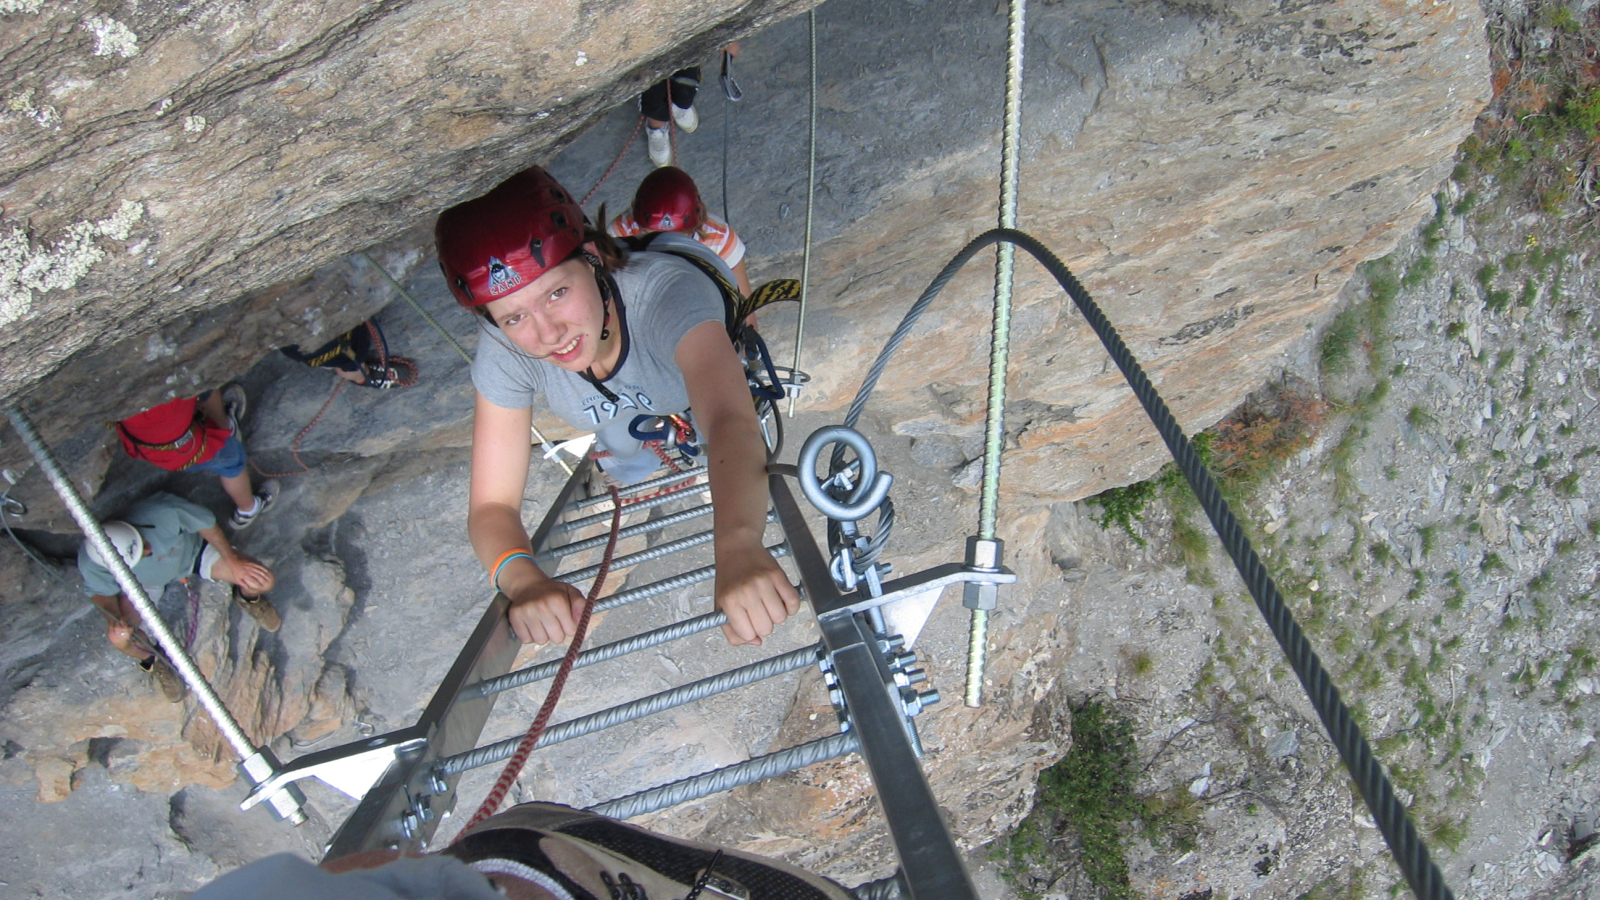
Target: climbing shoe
column 264, row 497
column 659, row 141
column 687, row 119
column 234, row 403
column 172, row 686
column 259, row 608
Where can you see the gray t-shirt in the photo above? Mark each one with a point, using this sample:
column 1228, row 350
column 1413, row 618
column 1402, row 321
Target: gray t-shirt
column 663, row 297
column 171, row 528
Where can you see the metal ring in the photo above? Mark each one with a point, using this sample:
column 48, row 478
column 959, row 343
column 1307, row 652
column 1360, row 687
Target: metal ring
column 868, row 494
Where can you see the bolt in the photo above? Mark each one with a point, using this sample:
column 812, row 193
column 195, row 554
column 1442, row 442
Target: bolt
column 408, row 824
column 978, row 595
column 916, row 676
column 437, row 784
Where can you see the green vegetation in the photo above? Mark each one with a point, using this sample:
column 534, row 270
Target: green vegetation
column 1089, row 793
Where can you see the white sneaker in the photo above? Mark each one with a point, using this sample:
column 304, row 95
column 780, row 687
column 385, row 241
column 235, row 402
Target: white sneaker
column 660, row 142
column 687, row 119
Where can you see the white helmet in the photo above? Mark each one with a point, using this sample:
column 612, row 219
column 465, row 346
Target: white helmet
column 126, row 538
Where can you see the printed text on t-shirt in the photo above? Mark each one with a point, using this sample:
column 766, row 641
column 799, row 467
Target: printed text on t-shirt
column 608, row 410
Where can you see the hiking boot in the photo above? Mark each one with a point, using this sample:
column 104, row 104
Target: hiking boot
column 172, row 686
column 659, row 141
column 267, row 493
column 687, row 119
column 234, row 403
column 260, row 609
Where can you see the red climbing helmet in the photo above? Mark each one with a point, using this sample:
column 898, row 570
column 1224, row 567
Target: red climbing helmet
column 667, row 200
column 497, row 243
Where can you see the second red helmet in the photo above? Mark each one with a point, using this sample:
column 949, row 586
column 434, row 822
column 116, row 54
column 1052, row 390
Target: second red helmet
column 667, row 200
column 492, row 245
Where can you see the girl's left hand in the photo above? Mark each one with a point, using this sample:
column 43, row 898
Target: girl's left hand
column 754, row 592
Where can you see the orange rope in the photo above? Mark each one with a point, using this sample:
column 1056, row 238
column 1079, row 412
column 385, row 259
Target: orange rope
column 514, row 765
column 294, row 448
column 620, row 154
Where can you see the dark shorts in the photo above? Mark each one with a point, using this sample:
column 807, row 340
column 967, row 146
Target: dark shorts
column 229, row 460
column 682, row 86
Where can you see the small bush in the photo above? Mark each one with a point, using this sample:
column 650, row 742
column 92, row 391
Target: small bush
column 1340, row 341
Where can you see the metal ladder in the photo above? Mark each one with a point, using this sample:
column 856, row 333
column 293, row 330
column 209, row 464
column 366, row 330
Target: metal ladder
column 406, row 779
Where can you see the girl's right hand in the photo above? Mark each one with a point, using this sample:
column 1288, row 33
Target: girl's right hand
column 546, row 612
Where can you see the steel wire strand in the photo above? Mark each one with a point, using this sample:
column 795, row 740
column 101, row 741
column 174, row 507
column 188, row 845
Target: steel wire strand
column 1405, row 844
column 673, row 698
column 727, row 778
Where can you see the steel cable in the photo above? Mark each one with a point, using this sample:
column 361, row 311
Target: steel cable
column 1405, row 844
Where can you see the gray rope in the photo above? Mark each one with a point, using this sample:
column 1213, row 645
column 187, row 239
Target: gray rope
column 1405, row 845
column 729, row 777
column 637, row 709
column 811, row 204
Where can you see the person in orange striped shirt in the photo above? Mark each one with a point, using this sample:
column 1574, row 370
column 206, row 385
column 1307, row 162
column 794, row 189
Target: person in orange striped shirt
column 667, row 200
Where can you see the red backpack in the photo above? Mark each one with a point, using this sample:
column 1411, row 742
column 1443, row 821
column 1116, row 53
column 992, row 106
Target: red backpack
column 174, row 435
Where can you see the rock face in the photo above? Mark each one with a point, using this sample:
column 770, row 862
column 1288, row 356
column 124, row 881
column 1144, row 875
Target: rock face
column 161, row 160
column 1213, row 175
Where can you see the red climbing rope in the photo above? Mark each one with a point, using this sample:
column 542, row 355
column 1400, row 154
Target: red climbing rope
column 620, row 154
column 508, row 775
column 294, row 448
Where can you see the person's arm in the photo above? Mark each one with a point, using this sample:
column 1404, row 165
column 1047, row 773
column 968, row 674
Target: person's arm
column 542, row 610
column 750, row 587
column 744, row 281
column 251, row 576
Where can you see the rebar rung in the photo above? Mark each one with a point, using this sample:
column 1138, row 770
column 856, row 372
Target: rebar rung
column 604, row 518
column 600, row 540
column 637, row 709
column 631, row 489
column 633, row 559
column 729, row 777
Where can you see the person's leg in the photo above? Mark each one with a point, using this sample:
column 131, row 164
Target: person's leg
column 684, row 83
column 653, row 103
column 240, row 492
column 211, row 404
